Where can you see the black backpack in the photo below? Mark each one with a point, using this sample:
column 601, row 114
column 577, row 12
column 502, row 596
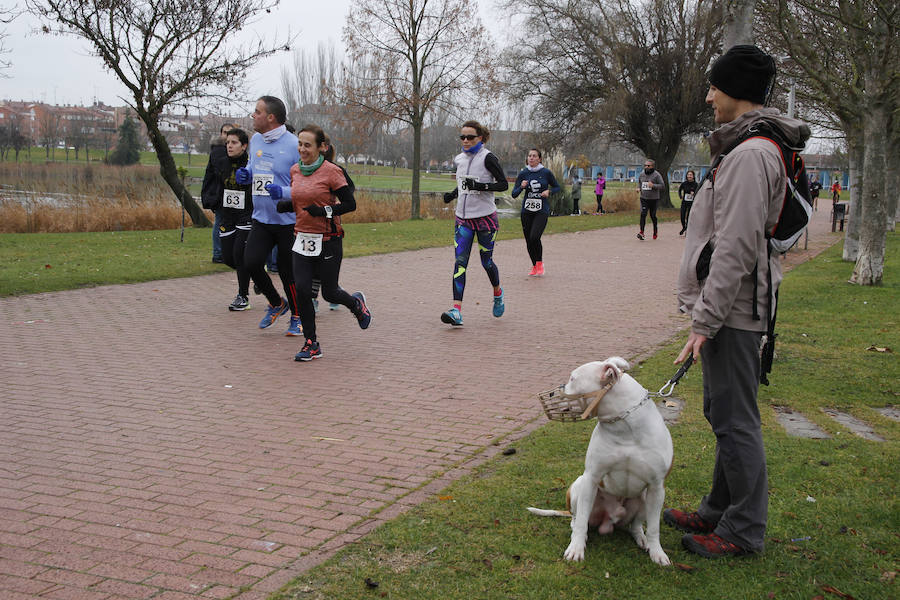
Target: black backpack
column 792, row 222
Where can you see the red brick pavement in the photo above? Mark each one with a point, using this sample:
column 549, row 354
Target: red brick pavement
column 152, row 444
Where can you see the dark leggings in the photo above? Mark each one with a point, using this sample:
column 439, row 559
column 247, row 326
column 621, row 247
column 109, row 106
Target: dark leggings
column 263, row 237
column 599, row 202
column 234, row 243
column 685, row 213
column 325, row 268
column 533, row 224
column 648, row 206
column 463, row 238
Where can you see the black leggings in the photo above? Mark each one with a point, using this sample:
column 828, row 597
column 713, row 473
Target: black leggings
column 648, row 206
column 263, row 237
column 234, row 243
column 533, row 224
column 599, row 202
column 325, row 268
column 685, row 213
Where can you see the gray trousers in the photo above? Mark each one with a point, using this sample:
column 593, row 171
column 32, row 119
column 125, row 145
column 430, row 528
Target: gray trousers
column 738, row 501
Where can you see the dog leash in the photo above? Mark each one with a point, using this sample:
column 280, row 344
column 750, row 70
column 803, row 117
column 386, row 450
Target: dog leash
column 666, row 390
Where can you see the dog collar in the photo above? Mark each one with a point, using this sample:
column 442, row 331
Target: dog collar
column 625, row 414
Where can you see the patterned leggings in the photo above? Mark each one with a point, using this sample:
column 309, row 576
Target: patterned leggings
column 463, row 239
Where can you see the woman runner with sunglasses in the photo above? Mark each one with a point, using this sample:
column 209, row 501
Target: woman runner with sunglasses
column 478, row 176
column 319, row 196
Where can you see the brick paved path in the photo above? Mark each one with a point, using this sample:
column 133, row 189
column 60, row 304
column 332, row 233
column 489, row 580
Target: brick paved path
column 154, row 445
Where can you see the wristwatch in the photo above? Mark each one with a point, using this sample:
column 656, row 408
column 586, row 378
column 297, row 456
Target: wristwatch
column 328, row 212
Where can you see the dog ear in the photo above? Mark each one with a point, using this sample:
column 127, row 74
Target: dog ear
column 620, row 362
column 610, row 372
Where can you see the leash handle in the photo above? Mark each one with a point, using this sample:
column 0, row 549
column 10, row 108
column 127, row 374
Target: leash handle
column 666, row 390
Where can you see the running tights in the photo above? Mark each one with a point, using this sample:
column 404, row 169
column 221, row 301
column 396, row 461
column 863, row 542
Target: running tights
column 263, row 237
column 648, row 206
column 463, row 239
column 325, row 268
column 533, row 224
column 234, row 243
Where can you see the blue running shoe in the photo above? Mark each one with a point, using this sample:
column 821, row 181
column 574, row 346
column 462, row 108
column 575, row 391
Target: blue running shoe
column 272, row 313
column 333, row 306
column 295, row 328
column 499, row 306
column 452, row 317
column 309, row 351
column 362, row 311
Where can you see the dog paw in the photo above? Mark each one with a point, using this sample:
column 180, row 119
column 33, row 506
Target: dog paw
column 659, row 557
column 575, row 552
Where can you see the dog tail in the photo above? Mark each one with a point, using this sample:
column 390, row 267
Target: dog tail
column 549, row 513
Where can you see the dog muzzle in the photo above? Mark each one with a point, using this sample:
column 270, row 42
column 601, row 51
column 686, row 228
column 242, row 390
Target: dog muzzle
column 560, row 406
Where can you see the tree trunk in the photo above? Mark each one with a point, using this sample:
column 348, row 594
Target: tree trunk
column 869, row 267
column 892, row 184
column 415, row 213
column 854, row 213
column 665, row 198
column 170, row 173
column 738, row 23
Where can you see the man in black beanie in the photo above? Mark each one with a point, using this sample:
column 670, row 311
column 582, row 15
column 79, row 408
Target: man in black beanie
column 723, row 283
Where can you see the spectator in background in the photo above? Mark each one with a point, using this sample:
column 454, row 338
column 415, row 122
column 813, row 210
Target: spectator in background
column 836, row 191
column 598, row 192
column 576, row 192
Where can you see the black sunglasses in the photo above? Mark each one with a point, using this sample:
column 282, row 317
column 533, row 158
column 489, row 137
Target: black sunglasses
column 468, row 137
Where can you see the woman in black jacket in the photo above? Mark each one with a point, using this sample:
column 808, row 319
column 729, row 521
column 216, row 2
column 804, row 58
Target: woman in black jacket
column 686, row 192
column 237, row 212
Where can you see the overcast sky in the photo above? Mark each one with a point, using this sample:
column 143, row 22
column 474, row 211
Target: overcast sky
column 60, row 70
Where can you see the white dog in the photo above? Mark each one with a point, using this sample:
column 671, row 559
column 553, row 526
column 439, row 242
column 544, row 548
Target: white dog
column 627, row 460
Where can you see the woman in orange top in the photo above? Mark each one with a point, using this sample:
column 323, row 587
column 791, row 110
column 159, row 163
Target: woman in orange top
column 835, row 192
column 319, row 196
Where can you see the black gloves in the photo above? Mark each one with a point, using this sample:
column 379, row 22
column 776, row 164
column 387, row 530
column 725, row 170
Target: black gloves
column 475, row 186
column 449, row 197
column 315, row 210
column 284, row 206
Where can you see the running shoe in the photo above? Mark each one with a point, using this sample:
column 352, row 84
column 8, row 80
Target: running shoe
column 452, row 317
column 309, row 351
column 316, row 304
column 239, row 303
column 295, row 329
column 362, row 311
column 640, row 236
column 654, row 236
column 533, row 271
column 539, row 269
column 272, row 313
column 499, row 306
column 333, row 306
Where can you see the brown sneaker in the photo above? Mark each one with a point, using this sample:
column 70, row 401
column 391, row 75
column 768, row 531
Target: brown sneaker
column 711, row 546
column 687, row 522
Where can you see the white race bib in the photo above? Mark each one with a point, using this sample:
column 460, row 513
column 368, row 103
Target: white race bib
column 534, row 204
column 646, row 186
column 688, row 197
column 259, row 183
column 308, row 244
column 233, row 199
column 460, row 185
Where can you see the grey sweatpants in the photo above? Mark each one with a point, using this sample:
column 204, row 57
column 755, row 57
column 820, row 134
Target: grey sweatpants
column 738, row 501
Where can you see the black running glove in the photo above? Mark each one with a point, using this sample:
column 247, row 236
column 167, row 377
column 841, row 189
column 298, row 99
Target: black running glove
column 284, row 206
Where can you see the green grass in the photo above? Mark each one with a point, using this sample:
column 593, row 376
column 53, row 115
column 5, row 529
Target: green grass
column 45, row 262
column 475, row 539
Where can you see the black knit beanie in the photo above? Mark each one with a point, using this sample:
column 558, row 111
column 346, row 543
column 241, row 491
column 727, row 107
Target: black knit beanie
column 745, row 73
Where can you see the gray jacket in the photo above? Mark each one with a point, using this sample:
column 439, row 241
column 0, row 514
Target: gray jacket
column 656, row 182
column 731, row 213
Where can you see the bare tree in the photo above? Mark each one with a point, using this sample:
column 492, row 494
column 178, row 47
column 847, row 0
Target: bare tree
column 847, row 53
column 635, row 72
column 49, row 129
column 409, row 58
column 738, row 22
column 164, row 53
column 7, row 15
